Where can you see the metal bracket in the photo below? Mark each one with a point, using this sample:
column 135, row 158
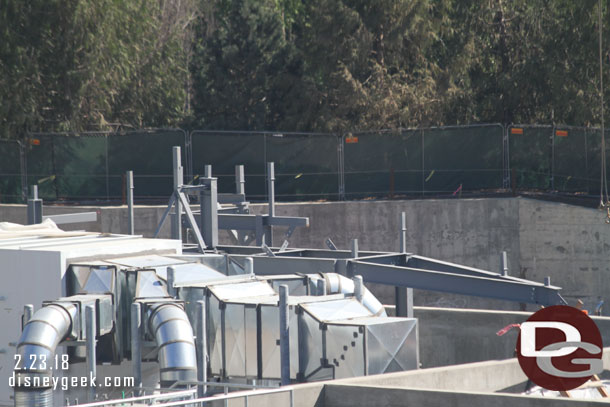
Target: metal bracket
column 267, row 250
column 330, row 244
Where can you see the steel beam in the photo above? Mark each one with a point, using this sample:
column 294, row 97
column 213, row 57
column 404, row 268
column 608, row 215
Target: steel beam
column 80, row 217
column 500, row 289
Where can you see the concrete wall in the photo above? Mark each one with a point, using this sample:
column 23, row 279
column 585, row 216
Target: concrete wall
column 380, row 396
column 568, row 243
column 456, row 336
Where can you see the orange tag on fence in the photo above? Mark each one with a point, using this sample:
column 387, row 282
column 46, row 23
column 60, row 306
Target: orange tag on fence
column 561, row 133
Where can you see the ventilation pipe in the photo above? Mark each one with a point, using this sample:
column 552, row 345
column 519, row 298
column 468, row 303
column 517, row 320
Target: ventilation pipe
column 173, row 334
column 36, row 351
column 336, row 283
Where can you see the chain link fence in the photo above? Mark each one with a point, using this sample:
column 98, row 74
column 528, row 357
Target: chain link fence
column 306, row 164
column 12, row 183
column 437, row 161
column 557, row 158
column 430, row 161
column 91, row 166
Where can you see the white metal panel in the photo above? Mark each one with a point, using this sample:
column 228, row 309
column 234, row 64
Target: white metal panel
column 27, row 279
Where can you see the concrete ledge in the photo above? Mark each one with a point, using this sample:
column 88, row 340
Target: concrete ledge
column 337, row 395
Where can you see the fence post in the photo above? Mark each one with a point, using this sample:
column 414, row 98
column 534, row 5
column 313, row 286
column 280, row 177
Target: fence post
column 341, row 166
column 24, row 171
column 505, row 157
column 552, row 169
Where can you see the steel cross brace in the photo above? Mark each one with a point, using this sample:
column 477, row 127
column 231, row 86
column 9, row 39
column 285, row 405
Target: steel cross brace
column 496, row 287
column 179, row 196
column 404, row 270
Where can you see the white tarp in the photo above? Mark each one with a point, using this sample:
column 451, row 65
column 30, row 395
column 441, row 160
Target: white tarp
column 47, row 228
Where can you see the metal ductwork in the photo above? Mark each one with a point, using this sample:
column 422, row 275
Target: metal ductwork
column 36, row 349
column 169, row 325
column 338, row 284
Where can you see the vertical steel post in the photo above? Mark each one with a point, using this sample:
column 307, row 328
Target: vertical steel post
column 271, row 197
column 136, row 349
column 271, row 187
column 547, row 281
column 209, row 210
column 28, row 311
column 202, row 348
column 207, row 171
column 130, row 217
column 171, row 278
column 321, row 286
column 403, row 296
column 354, row 248
column 34, row 210
column 178, row 181
column 504, row 264
column 249, row 265
column 358, row 288
column 284, row 336
column 240, row 180
column 91, row 362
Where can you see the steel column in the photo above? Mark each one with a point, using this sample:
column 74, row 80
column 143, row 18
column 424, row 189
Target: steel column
column 202, row 349
column 209, row 210
column 178, row 181
column 28, row 311
column 130, row 214
column 284, row 335
column 403, row 295
column 271, row 197
column 91, row 362
column 136, row 349
column 171, row 278
column 240, row 180
column 504, row 264
column 34, row 207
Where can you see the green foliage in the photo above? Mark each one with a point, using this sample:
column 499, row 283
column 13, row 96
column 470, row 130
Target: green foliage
column 68, row 64
column 319, row 65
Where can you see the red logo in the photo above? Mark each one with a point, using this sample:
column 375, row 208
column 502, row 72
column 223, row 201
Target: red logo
column 560, row 348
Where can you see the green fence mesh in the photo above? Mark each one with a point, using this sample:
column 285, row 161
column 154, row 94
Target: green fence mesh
column 424, row 161
column 530, row 152
column 383, row 163
column 409, row 162
column 149, row 155
column 91, row 166
column 306, row 165
column 10, row 171
column 570, row 169
column 463, row 158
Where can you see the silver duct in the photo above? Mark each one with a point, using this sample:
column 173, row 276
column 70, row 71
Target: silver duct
column 173, row 334
column 336, row 283
column 36, row 349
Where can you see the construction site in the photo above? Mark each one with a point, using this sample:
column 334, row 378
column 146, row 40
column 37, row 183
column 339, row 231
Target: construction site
column 213, row 300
